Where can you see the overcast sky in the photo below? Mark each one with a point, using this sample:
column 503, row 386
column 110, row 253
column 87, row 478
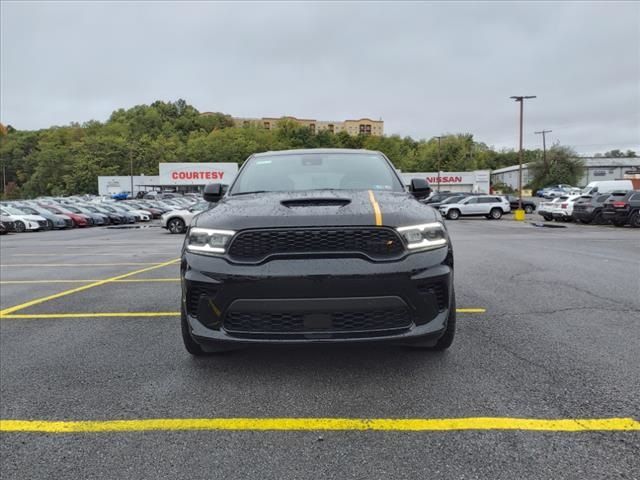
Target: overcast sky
column 425, row 68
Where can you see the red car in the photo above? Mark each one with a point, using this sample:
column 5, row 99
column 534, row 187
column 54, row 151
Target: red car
column 78, row 219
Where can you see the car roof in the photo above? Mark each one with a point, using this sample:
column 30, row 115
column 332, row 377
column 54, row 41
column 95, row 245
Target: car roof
column 314, row 150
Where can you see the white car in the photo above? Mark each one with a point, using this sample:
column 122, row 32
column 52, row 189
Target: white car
column 563, row 209
column 142, row 215
column 22, row 221
column 545, row 209
column 177, row 221
column 489, row 206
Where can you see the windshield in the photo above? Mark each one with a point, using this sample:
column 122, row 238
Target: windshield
column 13, row 211
column 316, row 171
column 453, row 199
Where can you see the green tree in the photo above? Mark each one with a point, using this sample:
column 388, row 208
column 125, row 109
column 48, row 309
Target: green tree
column 562, row 166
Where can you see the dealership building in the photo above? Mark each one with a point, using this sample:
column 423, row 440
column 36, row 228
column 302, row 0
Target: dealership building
column 476, row 181
column 179, row 177
column 192, row 177
column 595, row 168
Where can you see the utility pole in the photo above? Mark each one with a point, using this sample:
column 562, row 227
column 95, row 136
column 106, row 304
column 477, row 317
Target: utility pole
column 131, row 171
column 544, row 147
column 439, row 160
column 521, row 99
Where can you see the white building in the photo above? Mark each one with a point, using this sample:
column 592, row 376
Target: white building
column 476, row 181
column 596, row 168
column 187, row 177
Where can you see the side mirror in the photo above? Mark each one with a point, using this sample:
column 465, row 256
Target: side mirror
column 420, row 188
column 212, row 192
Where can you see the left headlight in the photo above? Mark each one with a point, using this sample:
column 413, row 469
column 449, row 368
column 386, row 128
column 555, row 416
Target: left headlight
column 208, row 241
column 424, row 237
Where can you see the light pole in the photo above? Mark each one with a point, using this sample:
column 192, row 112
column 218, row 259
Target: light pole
column 521, row 99
column 439, row 160
column 544, row 147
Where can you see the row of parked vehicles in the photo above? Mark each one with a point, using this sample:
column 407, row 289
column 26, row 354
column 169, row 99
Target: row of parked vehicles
column 620, row 208
column 49, row 213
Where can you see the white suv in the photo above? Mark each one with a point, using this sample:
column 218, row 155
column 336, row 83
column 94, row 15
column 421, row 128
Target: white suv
column 177, row 221
column 489, row 206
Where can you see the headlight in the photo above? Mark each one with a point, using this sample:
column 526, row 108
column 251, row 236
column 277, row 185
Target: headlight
column 424, row 237
column 207, row 241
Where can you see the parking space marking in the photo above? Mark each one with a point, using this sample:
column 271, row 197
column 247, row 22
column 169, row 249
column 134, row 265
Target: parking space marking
column 128, row 280
column 83, row 287
column 127, row 264
column 319, row 424
column 29, row 316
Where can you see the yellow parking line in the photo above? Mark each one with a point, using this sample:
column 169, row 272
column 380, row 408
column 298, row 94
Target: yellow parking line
column 316, row 424
column 471, row 310
column 37, row 301
column 128, row 280
column 28, row 316
column 127, row 264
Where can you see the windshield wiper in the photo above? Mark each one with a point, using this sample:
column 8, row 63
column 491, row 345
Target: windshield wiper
column 248, row 193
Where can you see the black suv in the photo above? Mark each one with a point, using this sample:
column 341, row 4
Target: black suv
column 527, row 205
column 588, row 209
column 314, row 246
column 623, row 208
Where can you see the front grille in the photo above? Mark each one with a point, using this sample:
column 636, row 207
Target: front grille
column 68, row 222
column 43, row 223
column 254, row 245
column 195, row 291
column 437, row 290
column 252, row 323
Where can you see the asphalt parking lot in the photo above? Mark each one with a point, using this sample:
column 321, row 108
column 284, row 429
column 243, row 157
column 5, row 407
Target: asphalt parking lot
column 542, row 381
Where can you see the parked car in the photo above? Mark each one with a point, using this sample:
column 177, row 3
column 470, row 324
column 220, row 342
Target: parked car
column 53, row 221
column 7, row 224
column 121, row 195
column 355, row 258
column 125, row 216
column 623, row 208
column 490, row 206
column 155, row 213
column 528, row 206
column 562, row 211
column 141, row 215
column 545, row 209
column 588, row 208
column 607, row 186
column 437, row 197
column 177, row 221
column 78, row 220
column 23, row 222
column 453, row 198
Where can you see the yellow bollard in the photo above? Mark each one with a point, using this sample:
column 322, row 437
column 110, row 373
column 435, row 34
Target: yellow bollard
column 518, row 214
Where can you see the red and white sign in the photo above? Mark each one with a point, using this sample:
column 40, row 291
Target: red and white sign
column 197, row 173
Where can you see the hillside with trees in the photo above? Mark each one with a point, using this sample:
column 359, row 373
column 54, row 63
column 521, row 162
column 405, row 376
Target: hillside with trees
column 67, row 160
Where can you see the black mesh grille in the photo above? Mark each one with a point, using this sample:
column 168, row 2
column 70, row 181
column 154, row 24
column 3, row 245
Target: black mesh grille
column 194, row 292
column 437, row 289
column 334, row 322
column 255, row 245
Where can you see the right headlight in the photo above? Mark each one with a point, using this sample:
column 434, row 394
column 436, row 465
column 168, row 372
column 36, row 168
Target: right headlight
column 426, row 236
column 208, row 241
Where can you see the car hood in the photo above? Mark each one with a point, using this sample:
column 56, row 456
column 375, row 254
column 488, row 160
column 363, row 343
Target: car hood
column 316, row 208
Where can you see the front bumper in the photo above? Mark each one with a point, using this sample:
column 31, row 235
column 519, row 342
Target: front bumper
column 317, row 300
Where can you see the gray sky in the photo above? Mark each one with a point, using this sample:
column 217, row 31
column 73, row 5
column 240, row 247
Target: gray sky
column 425, row 68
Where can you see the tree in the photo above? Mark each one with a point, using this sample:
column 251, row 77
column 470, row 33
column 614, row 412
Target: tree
column 562, row 166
